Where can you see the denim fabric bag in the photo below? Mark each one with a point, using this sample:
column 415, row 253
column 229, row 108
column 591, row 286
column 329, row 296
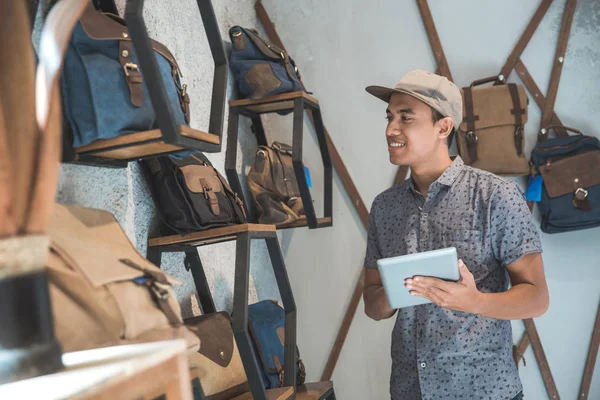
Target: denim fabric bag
column 103, row 92
column 571, row 182
column 260, row 68
column 266, row 322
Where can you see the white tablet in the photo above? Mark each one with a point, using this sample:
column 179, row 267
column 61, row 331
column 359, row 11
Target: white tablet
column 442, row 264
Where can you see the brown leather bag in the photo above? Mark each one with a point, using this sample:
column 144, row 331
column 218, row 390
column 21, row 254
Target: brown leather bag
column 273, row 186
column 218, row 360
column 103, row 291
column 491, row 136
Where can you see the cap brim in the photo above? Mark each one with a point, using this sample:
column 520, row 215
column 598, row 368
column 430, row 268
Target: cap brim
column 381, row 92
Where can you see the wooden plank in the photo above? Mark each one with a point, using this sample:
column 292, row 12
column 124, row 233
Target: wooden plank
column 590, row 363
column 434, row 39
column 136, row 151
column 269, row 26
column 247, row 103
column 535, row 91
column 561, row 50
column 541, row 359
column 145, row 136
column 525, row 38
column 272, row 394
column 301, row 223
column 210, row 234
column 521, row 348
column 313, row 391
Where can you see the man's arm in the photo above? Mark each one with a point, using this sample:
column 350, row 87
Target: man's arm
column 376, row 303
column 527, row 298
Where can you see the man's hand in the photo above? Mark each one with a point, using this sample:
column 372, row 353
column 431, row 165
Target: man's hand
column 460, row 296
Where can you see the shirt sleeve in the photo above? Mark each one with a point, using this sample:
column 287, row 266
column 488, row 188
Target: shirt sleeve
column 513, row 231
column 373, row 252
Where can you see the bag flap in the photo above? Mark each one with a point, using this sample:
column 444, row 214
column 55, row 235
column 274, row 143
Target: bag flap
column 99, row 26
column 567, row 175
column 265, row 319
column 216, row 336
column 493, row 105
column 195, row 175
column 93, row 241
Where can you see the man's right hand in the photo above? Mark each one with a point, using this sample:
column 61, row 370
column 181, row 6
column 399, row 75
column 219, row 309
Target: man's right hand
column 376, row 303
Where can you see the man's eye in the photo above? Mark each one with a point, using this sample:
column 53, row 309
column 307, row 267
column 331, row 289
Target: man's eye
column 406, row 118
column 388, row 118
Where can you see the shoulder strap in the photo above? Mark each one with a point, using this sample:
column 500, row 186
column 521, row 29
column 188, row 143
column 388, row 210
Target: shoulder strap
column 470, row 119
column 518, row 112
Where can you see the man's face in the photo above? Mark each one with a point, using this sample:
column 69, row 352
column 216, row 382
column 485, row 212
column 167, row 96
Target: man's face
column 411, row 134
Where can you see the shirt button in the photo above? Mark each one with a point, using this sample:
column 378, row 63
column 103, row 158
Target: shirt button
column 423, row 365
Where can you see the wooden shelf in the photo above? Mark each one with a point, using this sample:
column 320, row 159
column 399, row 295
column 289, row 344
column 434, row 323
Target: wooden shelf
column 301, row 223
column 280, row 102
column 314, row 391
column 210, row 236
column 272, row 394
column 141, row 144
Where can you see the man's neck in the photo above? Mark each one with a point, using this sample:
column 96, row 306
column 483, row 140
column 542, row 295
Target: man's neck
column 425, row 174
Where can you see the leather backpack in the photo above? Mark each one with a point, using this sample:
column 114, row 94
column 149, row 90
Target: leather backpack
column 491, row 136
column 190, row 194
column 273, row 186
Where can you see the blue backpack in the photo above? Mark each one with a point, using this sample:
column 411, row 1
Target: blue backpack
column 266, row 321
column 570, row 198
column 103, row 91
column 260, row 68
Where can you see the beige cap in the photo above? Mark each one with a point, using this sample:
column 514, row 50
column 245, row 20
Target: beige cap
column 434, row 90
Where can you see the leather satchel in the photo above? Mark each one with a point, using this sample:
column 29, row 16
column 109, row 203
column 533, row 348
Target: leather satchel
column 273, row 186
column 491, row 136
column 218, row 360
column 103, row 91
column 190, row 194
column 569, row 167
column 260, row 68
column 103, row 292
column 266, row 324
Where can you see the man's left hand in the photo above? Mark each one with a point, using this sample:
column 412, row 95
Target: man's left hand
column 460, row 296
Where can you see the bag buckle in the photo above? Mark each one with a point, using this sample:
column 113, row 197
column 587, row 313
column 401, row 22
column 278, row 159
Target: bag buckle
column 582, row 190
column 206, row 190
column 130, row 67
column 158, row 291
column 472, row 135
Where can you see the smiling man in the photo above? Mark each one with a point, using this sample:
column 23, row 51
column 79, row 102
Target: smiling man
column 460, row 345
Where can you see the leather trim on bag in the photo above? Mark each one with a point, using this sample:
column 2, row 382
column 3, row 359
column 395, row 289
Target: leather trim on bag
column 518, row 112
column 133, row 76
column 262, row 79
column 470, row 119
column 560, row 176
column 194, row 173
column 215, row 334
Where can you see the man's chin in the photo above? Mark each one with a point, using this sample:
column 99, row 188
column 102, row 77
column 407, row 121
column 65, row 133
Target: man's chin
column 395, row 160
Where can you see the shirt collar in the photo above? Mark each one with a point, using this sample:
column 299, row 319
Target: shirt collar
column 448, row 177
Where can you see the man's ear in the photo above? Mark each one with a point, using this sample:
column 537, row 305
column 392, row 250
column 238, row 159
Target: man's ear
column 445, row 126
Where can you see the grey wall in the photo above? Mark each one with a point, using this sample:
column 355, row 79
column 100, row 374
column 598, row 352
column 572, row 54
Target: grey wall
column 342, row 46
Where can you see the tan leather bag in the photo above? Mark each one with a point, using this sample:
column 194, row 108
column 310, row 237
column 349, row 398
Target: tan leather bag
column 95, row 300
column 218, row 360
column 273, row 186
column 491, row 135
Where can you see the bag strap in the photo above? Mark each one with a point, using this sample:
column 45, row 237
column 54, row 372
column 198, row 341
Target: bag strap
column 157, row 285
column 470, row 119
column 518, row 112
column 484, row 80
column 545, row 132
column 561, row 50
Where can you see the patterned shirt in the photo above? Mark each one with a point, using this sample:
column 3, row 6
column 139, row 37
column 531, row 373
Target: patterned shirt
column 439, row 353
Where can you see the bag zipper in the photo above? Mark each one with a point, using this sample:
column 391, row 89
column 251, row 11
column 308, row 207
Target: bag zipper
column 562, row 146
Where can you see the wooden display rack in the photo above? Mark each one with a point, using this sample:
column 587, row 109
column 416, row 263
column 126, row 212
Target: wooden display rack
column 243, row 234
column 295, row 102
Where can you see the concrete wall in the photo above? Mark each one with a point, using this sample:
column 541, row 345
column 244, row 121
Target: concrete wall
column 341, row 47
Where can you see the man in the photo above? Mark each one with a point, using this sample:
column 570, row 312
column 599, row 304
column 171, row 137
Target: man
column 460, row 345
